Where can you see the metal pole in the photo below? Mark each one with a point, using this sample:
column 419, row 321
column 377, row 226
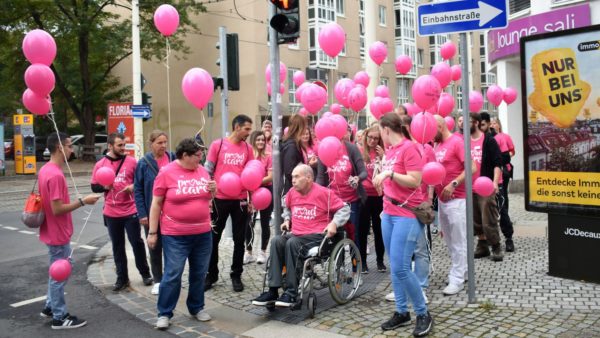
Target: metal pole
column 468, row 172
column 138, row 125
column 225, row 89
column 276, row 119
column 372, row 69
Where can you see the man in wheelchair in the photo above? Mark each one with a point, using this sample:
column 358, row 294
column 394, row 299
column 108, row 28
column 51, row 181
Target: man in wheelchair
column 310, row 212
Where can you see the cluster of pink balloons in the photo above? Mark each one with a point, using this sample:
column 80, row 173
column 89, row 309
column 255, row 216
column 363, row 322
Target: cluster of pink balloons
column 198, row 87
column 105, row 176
column 496, row 95
column 282, row 77
column 60, row 269
column 378, row 52
column 332, row 39
column 381, row 104
column 39, row 48
column 166, row 19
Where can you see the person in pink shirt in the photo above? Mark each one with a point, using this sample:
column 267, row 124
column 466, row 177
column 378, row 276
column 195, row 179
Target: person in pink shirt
column 507, row 150
column 267, row 129
column 309, row 211
column 230, row 154
column 57, row 228
column 372, row 153
column 310, row 149
column 120, row 213
column 400, row 181
column 181, row 200
column 257, row 140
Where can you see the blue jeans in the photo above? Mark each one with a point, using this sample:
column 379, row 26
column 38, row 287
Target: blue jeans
column 400, row 236
column 196, row 250
column 56, row 290
column 422, row 259
column 355, row 220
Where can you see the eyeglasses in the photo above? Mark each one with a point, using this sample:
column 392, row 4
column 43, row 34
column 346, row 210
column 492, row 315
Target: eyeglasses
column 373, row 138
column 198, row 154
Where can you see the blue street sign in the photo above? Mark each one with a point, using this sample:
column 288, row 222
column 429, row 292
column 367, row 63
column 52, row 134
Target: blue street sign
column 141, row 111
column 462, row 16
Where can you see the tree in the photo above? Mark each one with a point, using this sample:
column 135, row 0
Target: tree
column 92, row 37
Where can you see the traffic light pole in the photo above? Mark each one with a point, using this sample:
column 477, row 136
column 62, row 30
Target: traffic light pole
column 276, row 119
column 225, row 89
column 138, row 126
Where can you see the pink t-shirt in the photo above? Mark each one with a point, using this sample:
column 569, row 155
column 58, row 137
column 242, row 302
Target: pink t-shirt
column 504, row 142
column 185, row 208
column 118, row 203
column 339, row 173
column 476, row 154
column 459, row 134
column 401, row 158
column 308, row 153
column 231, row 158
column 311, row 213
column 267, row 161
column 163, row 161
column 427, row 155
column 56, row 229
column 368, row 182
column 268, row 148
column 451, row 154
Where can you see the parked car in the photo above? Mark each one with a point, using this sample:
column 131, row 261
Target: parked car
column 77, row 141
column 9, row 149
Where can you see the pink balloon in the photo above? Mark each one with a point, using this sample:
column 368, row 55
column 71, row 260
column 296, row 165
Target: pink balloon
column 342, row 90
column 261, row 198
column 475, row 101
column 375, row 107
column 448, row 50
column 282, row 72
column 285, row 131
column 510, row 95
column 442, row 72
column 382, row 91
column 412, row 109
column 378, row 52
column 324, row 127
column 495, row 95
column 252, row 177
column 38, row 105
column 313, row 98
column 332, row 39
column 329, row 150
column 340, row 126
column 483, row 186
column 403, row 64
column 303, row 112
column 335, row 108
column 299, row 91
column 433, row 109
column 426, row 91
column 387, row 105
column 357, row 98
column 298, row 78
column 281, row 88
column 105, row 176
column 456, row 72
column 326, row 114
column 362, row 78
column 166, row 19
column 255, row 163
column 39, row 47
column 423, row 127
column 433, row 173
column 445, row 104
column 40, row 79
column 269, row 92
column 60, row 270
column 230, row 184
column 449, row 122
column 198, row 87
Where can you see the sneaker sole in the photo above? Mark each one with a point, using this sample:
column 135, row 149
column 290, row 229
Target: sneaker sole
column 44, row 315
column 426, row 332
column 282, row 304
column 257, row 303
column 396, row 326
column 68, row 327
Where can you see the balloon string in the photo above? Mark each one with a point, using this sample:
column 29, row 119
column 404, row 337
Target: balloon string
column 83, row 228
column 51, row 118
column 166, row 63
column 202, row 124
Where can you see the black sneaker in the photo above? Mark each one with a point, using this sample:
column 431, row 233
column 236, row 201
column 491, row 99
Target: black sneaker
column 497, row 255
column 381, row 267
column 396, row 321
column 510, row 246
column 120, row 285
column 265, row 298
column 68, row 322
column 365, row 269
column 237, row 284
column 286, row 300
column 148, row 280
column 209, row 281
column 424, row 325
column 482, row 249
column 46, row 313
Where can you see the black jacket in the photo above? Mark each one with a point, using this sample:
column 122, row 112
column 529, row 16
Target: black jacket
column 291, row 156
column 491, row 157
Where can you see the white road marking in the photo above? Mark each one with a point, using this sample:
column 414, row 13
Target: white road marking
column 27, row 232
column 29, row 301
column 89, row 247
column 11, row 228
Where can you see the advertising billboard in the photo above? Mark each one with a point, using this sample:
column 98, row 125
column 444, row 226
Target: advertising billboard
column 120, row 120
column 561, row 114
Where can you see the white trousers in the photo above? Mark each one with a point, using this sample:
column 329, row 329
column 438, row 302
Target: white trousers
column 453, row 223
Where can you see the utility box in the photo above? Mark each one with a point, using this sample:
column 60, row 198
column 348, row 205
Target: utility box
column 24, row 141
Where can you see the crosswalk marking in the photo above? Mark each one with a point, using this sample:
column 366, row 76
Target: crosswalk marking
column 27, row 232
column 28, row 301
column 11, row 228
column 88, row 247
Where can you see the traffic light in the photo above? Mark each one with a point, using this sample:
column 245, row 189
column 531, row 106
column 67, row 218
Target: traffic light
column 233, row 64
column 286, row 20
column 146, row 99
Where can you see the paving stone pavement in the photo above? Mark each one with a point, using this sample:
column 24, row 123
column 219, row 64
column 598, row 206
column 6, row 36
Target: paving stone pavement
column 516, row 298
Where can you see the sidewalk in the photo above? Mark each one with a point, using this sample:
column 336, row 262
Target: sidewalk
column 515, row 298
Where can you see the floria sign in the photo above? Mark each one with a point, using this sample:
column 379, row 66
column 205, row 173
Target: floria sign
column 505, row 42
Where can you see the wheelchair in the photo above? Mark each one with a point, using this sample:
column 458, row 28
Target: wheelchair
column 335, row 264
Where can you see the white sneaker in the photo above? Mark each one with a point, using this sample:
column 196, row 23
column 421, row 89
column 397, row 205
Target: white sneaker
column 425, row 296
column 390, row 297
column 155, row 289
column 368, row 250
column 248, row 258
column 202, row 316
column 162, row 323
column 262, row 257
column 452, row 289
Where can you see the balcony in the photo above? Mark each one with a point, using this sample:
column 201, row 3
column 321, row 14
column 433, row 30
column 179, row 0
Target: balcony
column 488, row 79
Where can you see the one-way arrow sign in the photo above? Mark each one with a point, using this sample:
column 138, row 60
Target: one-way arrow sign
column 462, row 16
column 141, row 110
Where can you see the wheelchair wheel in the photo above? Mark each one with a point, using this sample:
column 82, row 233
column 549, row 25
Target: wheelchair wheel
column 312, row 304
column 344, row 271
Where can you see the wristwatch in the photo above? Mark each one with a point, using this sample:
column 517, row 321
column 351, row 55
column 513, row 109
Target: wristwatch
column 454, row 183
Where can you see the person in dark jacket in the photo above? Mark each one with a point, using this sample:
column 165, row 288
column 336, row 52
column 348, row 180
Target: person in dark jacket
column 145, row 172
column 292, row 150
column 486, row 155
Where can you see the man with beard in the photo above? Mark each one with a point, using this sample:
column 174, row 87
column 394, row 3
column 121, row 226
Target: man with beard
column 486, row 155
column 267, row 129
column 120, row 213
column 229, row 154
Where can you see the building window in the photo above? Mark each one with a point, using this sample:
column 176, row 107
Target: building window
column 534, row 165
column 292, row 87
column 339, row 7
column 403, row 90
column 519, row 5
column 431, row 58
column 459, row 95
column 382, row 19
column 384, row 81
column 420, row 57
